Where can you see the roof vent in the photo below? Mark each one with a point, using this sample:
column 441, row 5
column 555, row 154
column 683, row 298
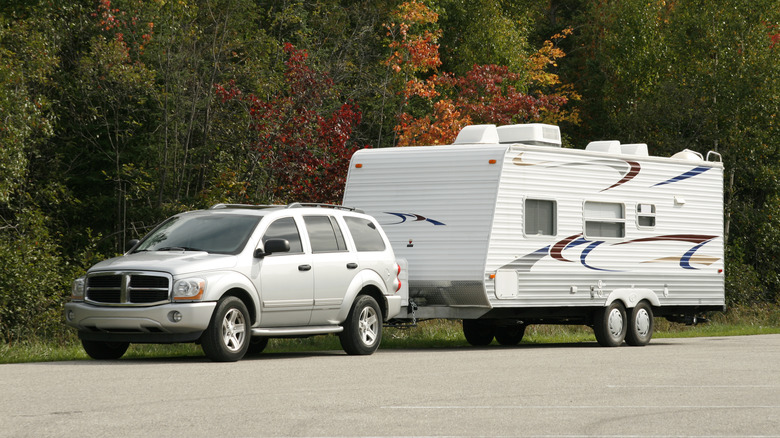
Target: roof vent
column 608, row 146
column 638, row 149
column 689, row 155
column 477, row 134
column 537, row 134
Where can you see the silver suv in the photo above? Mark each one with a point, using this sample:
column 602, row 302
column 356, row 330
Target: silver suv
column 235, row 275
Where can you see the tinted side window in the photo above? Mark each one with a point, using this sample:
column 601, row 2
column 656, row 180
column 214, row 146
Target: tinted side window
column 325, row 234
column 285, row 229
column 365, row 234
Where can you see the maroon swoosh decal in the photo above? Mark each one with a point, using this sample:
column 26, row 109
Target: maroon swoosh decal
column 692, row 238
column 634, row 171
column 555, row 251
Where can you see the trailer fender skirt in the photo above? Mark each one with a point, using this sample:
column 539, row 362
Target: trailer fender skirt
column 633, row 296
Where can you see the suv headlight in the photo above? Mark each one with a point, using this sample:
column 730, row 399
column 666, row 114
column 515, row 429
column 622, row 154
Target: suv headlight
column 189, row 289
column 77, row 291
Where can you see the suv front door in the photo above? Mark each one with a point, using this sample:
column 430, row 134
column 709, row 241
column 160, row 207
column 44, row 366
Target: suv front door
column 285, row 280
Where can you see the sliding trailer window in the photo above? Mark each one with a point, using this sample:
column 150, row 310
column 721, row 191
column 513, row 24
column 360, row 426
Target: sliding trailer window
column 604, row 219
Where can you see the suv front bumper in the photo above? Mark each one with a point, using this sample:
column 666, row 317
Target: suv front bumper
column 140, row 324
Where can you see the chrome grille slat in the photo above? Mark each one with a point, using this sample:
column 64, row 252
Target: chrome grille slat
column 128, row 288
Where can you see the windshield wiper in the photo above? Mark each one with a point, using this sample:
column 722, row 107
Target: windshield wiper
column 178, row 248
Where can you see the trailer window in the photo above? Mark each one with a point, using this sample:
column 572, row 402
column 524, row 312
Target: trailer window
column 540, row 215
column 605, row 219
column 645, row 215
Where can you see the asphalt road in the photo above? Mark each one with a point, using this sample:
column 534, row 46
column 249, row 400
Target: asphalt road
column 704, row 387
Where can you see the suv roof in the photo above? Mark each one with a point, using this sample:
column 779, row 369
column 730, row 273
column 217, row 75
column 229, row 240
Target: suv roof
column 279, row 207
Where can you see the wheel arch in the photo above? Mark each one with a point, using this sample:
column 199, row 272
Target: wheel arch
column 367, row 282
column 246, row 297
column 630, row 297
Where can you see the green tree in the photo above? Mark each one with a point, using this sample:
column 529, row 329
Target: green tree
column 702, row 75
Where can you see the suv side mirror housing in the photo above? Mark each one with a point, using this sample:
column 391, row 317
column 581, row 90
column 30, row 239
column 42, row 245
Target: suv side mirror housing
column 272, row 246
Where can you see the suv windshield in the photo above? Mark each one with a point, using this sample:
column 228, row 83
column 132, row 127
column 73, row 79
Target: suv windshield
column 214, row 233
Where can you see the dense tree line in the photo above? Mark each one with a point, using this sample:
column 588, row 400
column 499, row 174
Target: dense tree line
column 115, row 114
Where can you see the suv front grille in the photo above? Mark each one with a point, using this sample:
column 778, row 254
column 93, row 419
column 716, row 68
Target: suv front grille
column 136, row 288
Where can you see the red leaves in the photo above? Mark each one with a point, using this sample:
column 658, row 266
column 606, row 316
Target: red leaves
column 486, row 94
column 116, row 21
column 305, row 152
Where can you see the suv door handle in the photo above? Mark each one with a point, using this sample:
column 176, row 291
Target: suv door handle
column 352, row 265
column 304, row 267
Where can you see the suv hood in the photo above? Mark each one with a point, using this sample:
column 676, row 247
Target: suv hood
column 174, row 262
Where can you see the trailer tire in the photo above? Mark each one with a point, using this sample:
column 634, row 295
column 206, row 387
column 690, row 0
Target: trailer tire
column 101, row 350
column 610, row 325
column 227, row 337
column 640, row 325
column 363, row 328
column 510, row 335
column 478, row 333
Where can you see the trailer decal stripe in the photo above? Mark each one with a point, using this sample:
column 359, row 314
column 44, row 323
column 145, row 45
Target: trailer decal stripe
column 558, row 248
column 689, row 174
column 526, row 262
column 632, row 172
column 587, row 251
column 685, row 261
column 692, row 238
column 416, row 217
column 628, row 170
column 555, row 251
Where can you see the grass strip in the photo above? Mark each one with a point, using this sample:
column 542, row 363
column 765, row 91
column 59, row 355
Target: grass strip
column 741, row 321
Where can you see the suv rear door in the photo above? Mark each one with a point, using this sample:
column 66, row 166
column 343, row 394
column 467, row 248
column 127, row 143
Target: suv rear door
column 333, row 264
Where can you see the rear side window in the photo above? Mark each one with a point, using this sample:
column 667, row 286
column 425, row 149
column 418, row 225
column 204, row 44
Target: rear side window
column 325, row 234
column 285, row 229
column 365, row 234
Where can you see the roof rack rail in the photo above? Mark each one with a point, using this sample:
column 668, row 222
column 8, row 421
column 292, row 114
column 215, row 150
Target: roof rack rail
column 321, row 205
column 247, row 206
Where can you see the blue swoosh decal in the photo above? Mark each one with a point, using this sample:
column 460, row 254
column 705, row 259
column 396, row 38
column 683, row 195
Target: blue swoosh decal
column 689, row 174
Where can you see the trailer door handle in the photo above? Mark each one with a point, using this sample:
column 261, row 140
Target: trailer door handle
column 304, row 267
column 352, row 265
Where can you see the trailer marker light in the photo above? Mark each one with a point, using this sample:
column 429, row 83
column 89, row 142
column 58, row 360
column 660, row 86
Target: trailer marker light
column 359, row 165
column 492, row 276
column 492, row 161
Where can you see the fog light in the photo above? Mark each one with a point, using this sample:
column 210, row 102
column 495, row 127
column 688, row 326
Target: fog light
column 174, row 316
column 70, row 315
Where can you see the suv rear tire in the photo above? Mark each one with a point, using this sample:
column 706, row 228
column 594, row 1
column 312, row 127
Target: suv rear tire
column 363, row 328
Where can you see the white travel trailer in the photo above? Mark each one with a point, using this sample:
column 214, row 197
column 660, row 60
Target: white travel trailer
column 504, row 228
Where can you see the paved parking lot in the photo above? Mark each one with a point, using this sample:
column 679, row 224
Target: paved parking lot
column 701, row 387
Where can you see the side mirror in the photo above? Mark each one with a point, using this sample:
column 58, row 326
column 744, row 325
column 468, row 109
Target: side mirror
column 131, row 244
column 272, row 246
